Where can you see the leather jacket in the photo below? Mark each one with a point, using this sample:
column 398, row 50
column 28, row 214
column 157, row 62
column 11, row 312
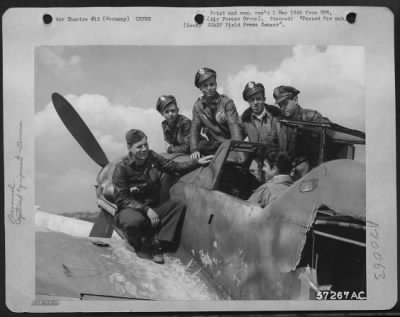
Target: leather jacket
column 264, row 130
column 178, row 136
column 138, row 186
column 297, row 144
column 219, row 121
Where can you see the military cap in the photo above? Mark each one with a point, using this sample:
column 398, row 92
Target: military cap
column 203, row 74
column 163, row 101
column 251, row 88
column 283, row 92
column 134, row 136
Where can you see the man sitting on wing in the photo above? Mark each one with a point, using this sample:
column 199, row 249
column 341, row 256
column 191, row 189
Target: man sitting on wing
column 136, row 181
column 276, row 167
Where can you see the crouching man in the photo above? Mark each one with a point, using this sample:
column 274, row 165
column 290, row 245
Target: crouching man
column 148, row 226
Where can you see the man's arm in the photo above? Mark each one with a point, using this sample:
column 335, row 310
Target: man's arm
column 315, row 116
column 122, row 194
column 195, row 131
column 232, row 119
column 172, row 167
column 242, row 126
column 185, row 147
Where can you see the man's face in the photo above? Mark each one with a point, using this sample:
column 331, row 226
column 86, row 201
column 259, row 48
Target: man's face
column 256, row 102
column 139, row 150
column 171, row 112
column 269, row 171
column 209, row 87
column 288, row 107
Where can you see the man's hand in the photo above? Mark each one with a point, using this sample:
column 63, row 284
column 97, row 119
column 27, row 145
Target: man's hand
column 205, row 160
column 167, row 146
column 195, row 155
column 154, row 219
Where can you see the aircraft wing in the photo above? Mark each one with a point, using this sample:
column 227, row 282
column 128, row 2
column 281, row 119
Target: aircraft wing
column 69, row 264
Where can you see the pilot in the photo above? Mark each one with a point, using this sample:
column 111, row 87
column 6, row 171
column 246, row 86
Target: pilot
column 259, row 120
column 214, row 114
column 176, row 127
column 276, row 167
column 148, row 226
column 286, row 97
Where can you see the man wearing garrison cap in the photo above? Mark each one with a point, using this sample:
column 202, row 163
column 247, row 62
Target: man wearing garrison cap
column 176, row 127
column 148, row 225
column 214, row 114
column 297, row 145
column 259, row 120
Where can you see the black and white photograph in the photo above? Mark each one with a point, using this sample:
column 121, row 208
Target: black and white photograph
column 234, row 169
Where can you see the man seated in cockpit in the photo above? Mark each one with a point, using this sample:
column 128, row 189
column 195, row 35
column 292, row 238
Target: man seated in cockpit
column 276, row 167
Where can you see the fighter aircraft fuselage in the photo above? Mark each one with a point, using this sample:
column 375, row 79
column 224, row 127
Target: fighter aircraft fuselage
column 310, row 238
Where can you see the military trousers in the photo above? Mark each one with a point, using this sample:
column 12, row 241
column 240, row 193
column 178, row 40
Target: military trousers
column 136, row 225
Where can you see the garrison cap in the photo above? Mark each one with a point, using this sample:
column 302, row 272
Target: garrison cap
column 163, row 101
column 283, row 92
column 251, row 88
column 134, row 136
column 203, row 74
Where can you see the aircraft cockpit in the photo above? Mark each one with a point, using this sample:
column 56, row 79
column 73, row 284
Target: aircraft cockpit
column 238, row 176
column 235, row 171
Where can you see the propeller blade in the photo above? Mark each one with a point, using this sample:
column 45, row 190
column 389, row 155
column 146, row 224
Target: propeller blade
column 79, row 130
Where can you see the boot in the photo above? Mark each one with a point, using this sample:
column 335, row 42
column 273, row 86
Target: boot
column 143, row 248
column 157, row 252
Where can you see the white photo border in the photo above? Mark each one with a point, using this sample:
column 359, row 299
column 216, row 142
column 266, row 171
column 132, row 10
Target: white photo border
column 23, row 31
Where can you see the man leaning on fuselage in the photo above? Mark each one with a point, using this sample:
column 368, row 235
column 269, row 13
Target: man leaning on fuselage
column 213, row 113
column 148, row 226
column 297, row 146
column 176, row 127
column 259, row 120
column 286, row 97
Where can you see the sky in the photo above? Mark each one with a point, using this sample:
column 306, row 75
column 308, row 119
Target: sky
column 115, row 88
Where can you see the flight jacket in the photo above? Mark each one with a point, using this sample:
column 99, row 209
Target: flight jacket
column 178, row 136
column 262, row 131
column 219, row 121
column 138, row 186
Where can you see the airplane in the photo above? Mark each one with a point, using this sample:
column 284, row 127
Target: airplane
column 309, row 240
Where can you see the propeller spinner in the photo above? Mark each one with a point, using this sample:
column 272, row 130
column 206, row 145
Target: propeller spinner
column 79, row 130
